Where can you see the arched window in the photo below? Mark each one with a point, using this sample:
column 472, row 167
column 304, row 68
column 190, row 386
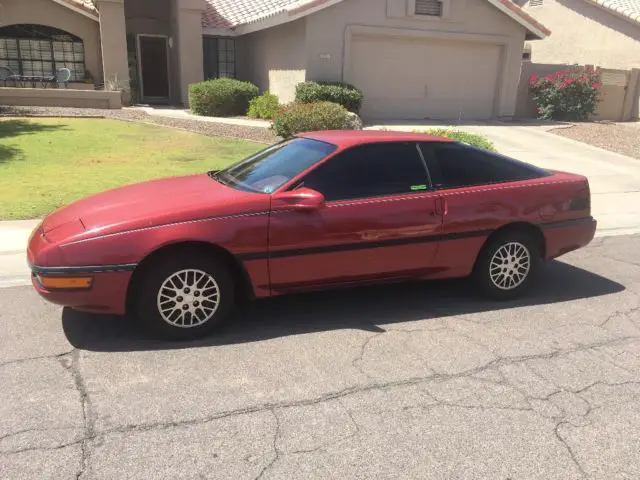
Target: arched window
column 37, row 50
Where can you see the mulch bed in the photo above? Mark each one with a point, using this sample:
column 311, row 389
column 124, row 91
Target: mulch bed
column 212, row 129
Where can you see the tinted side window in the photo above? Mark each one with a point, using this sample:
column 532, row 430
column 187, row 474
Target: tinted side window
column 369, row 171
column 454, row 165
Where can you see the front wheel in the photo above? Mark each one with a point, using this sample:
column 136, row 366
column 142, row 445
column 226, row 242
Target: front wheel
column 185, row 297
column 506, row 265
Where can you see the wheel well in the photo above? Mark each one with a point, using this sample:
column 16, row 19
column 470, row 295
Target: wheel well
column 243, row 283
column 533, row 230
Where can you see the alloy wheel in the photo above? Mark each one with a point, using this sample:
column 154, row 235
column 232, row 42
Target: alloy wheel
column 510, row 266
column 188, row 298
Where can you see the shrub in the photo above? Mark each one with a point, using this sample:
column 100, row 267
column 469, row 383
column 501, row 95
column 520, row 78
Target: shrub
column 568, row 94
column 464, row 137
column 341, row 93
column 306, row 117
column 265, row 106
column 222, row 97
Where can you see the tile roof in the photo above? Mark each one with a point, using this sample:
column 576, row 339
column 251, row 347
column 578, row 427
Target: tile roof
column 233, row 13
column 629, row 9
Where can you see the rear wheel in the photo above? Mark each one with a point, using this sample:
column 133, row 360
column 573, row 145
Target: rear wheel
column 507, row 265
column 185, row 297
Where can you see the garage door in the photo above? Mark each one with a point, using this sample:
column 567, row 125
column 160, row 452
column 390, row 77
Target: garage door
column 406, row 78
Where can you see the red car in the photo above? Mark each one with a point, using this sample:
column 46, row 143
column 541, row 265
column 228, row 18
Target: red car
column 318, row 210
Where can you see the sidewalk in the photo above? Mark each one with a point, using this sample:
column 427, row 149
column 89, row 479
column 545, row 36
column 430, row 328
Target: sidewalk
column 14, row 236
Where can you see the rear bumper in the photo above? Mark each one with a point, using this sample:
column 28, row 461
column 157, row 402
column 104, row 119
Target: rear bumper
column 108, row 293
column 565, row 236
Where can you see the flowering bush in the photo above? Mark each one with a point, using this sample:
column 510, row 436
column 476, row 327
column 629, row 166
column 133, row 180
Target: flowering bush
column 568, row 94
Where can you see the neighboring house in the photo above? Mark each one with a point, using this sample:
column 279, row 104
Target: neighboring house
column 413, row 59
column 605, row 33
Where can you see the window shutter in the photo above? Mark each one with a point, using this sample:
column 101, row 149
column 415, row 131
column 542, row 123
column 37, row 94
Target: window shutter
column 432, row 8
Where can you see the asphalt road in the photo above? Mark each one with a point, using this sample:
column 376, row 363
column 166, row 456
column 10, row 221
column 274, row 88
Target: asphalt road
column 405, row 381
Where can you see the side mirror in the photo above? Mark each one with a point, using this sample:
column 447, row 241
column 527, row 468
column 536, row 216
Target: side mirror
column 303, row 199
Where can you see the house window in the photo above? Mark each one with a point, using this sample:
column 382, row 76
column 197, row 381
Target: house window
column 36, row 50
column 431, row 8
column 219, row 57
column 535, row 3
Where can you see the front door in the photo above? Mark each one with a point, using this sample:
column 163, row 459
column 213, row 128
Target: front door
column 154, row 68
column 379, row 222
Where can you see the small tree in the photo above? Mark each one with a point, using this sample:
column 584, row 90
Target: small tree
column 571, row 94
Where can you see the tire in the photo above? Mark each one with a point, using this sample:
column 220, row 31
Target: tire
column 203, row 288
column 501, row 270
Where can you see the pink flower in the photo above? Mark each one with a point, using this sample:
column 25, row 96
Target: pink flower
column 534, row 78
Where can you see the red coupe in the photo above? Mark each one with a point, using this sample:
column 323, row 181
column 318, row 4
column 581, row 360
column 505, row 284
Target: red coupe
column 318, row 210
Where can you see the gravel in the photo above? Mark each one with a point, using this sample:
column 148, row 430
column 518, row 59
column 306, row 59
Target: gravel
column 615, row 137
column 212, row 129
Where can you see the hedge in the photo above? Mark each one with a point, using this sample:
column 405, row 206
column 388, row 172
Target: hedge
column 465, row 137
column 265, row 106
column 222, row 97
column 306, row 117
column 341, row 93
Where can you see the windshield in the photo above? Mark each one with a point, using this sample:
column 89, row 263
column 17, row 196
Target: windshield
column 269, row 169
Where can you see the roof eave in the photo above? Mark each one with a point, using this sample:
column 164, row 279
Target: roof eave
column 78, row 9
column 620, row 12
column 535, row 30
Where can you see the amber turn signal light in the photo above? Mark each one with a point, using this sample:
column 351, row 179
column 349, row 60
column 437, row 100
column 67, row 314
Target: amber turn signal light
column 65, row 283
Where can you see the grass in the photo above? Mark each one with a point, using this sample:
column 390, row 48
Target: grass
column 48, row 163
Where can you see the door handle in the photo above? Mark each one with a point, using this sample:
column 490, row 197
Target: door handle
column 441, row 207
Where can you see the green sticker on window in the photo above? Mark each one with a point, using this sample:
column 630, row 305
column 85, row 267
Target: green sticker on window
column 418, row 187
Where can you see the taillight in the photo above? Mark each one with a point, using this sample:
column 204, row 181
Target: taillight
column 582, row 200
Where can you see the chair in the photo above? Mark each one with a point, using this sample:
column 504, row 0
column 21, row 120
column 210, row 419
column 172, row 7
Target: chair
column 62, row 76
column 5, row 74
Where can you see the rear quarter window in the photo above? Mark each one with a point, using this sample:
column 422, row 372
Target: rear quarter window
column 455, row 165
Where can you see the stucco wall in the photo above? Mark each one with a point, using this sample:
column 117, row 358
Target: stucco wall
column 274, row 59
column 326, row 36
column 46, row 12
column 585, row 34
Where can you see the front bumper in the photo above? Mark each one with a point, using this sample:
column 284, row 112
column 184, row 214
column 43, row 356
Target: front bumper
column 108, row 292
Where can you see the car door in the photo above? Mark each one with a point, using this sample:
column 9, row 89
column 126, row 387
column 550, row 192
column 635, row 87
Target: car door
column 480, row 193
column 379, row 221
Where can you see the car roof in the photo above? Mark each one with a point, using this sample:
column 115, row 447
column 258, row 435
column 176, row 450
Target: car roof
column 348, row 138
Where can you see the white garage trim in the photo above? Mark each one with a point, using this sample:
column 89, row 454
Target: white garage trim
column 499, row 40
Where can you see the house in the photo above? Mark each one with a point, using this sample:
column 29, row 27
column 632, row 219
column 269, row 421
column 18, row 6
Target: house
column 603, row 33
column 413, row 59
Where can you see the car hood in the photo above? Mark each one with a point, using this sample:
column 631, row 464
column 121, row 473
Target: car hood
column 156, row 202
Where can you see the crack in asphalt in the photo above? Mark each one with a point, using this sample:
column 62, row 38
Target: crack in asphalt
column 568, row 448
column 619, row 313
column 323, row 446
column 357, row 389
column 73, row 366
column 276, row 451
column 31, row 359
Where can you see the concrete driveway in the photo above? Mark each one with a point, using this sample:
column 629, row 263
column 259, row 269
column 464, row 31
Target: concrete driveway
column 408, row 381
column 614, row 178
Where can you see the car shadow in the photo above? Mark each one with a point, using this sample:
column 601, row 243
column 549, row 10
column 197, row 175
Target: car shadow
column 362, row 308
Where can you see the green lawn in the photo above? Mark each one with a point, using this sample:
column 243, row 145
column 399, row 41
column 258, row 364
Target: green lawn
column 47, row 163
